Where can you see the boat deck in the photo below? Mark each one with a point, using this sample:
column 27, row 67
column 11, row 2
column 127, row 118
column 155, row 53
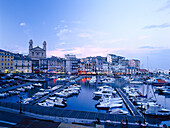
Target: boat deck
column 128, row 103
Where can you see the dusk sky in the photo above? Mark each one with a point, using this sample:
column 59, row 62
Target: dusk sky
column 138, row 29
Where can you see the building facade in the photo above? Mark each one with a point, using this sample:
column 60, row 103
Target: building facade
column 6, row 61
column 56, row 64
column 38, row 55
column 22, row 63
column 71, row 64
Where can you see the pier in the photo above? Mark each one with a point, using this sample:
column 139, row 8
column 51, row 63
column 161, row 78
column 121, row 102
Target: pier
column 128, row 103
column 14, row 87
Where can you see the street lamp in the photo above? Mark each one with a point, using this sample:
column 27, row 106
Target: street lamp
column 20, row 101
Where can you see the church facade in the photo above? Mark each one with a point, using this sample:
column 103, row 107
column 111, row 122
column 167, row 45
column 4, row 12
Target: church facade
column 37, row 54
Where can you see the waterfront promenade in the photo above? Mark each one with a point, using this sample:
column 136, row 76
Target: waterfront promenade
column 69, row 118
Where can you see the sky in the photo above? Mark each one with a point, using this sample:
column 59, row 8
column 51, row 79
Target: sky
column 135, row 29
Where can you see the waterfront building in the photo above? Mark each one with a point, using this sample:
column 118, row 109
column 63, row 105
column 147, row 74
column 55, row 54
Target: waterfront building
column 106, row 67
column 115, row 60
column 99, row 64
column 133, row 66
column 36, row 54
column 43, row 64
column 6, row 61
column 22, row 63
column 71, row 64
column 56, row 64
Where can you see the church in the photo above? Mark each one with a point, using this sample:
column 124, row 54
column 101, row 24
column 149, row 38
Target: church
column 37, row 55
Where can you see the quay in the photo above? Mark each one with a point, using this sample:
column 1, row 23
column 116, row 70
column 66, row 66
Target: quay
column 128, row 103
column 66, row 114
column 14, row 87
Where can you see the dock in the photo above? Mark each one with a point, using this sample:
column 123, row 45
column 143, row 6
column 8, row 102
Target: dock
column 14, row 87
column 128, row 103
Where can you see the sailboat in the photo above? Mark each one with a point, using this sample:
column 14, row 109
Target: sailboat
column 146, row 99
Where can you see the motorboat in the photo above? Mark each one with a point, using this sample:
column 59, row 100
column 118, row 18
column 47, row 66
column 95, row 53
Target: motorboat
column 14, row 92
column 104, row 90
column 72, row 81
column 167, row 91
column 118, row 111
column 46, row 104
column 157, row 81
column 27, row 100
column 107, row 105
column 108, row 80
column 38, row 84
column 111, row 99
column 58, row 102
column 40, row 94
column 3, row 95
column 75, row 86
column 157, row 111
column 64, row 93
column 29, row 87
column 136, row 82
column 92, row 80
column 21, row 89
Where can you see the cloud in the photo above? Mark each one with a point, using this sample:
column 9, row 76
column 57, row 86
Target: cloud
column 165, row 25
column 57, row 27
column 83, row 51
column 66, row 50
column 22, row 24
column 149, row 47
column 62, row 21
column 63, row 31
column 62, row 43
column 165, row 7
column 84, row 35
column 143, row 37
column 76, row 22
column 17, row 49
column 146, row 47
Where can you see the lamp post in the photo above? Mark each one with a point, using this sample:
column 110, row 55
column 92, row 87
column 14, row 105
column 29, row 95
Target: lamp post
column 20, row 101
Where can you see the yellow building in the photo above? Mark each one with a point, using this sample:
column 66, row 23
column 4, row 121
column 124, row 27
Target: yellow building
column 6, row 61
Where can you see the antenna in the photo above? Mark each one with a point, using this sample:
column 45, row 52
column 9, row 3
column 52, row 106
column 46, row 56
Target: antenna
column 147, row 64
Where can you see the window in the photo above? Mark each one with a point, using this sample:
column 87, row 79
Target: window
column 8, row 59
column 11, row 59
column 42, row 54
column 2, row 59
column 8, row 63
column 5, row 63
column 5, row 59
column 11, row 63
column 37, row 54
column 32, row 53
column 2, row 63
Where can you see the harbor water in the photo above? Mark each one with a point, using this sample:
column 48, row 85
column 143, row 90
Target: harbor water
column 85, row 102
